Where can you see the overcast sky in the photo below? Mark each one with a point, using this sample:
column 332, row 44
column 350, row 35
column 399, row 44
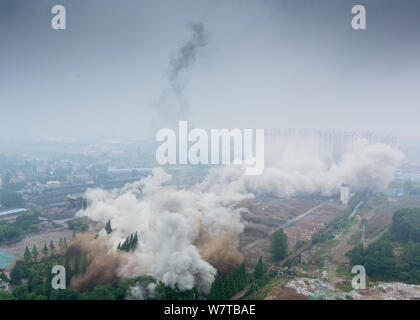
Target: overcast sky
column 267, row 64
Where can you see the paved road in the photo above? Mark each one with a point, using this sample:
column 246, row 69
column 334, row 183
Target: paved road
column 355, row 209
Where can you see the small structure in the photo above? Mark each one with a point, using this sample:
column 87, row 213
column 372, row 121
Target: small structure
column 344, row 193
column 4, row 285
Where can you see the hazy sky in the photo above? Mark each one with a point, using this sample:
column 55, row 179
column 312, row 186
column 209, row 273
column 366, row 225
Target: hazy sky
column 267, row 64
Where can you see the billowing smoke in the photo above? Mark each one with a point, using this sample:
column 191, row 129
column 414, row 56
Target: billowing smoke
column 172, row 104
column 142, row 292
column 186, row 235
column 298, row 169
column 101, row 262
column 221, row 252
column 171, row 226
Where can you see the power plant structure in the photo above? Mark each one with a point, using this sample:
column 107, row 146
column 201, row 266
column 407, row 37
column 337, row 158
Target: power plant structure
column 344, row 193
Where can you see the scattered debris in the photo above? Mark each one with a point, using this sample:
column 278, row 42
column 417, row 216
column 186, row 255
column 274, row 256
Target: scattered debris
column 318, row 289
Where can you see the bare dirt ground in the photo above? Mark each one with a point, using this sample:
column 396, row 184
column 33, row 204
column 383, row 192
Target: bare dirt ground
column 315, row 221
column 378, row 213
column 285, row 293
column 265, row 215
column 382, row 291
column 340, row 250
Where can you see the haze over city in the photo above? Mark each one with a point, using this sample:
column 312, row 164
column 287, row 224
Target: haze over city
column 238, row 150
column 264, row 64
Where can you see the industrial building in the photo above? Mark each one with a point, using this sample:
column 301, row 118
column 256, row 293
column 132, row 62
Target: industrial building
column 345, row 194
column 76, row 202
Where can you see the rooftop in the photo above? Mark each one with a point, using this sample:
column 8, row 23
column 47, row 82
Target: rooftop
column 6, row 259
column 12, row 211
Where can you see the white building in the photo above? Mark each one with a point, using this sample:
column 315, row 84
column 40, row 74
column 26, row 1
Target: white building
column 4, row 285
column 345, row 194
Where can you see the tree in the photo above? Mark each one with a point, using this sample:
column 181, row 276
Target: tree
column 52, row 247
column 4, row 277
column 102, row 292
column 278, row 246
column 234, row 282
column 27, row 257
column 66, row 294
column 35, row 252
column 259, row 269
column 84, row 262
column 4, row 295
column 135, row 242
column 9, row 198
column 69, row 272
column 378, row 259
column 108, row 227
column 21, row 292
column 130, row 243
column 8, row 232
column 45, row 250
column 406, row 225
column 19, row 272
column 65, row 242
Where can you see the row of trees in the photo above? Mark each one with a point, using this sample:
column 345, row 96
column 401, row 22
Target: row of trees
column 225, row 288
column 38, row 285
column 130, row 243
column 30, row 259
column 406, row 225
column 38, row 278
column 24, row 224
column 32, row 255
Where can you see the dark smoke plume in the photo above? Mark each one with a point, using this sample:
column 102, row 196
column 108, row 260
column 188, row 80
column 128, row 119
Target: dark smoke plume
column 187, row 54
column 172, row 104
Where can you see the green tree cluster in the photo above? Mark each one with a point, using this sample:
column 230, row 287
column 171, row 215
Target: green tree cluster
column 406, row 225
column 130, row 243
column 10, row 199
column 226, row 287
column 108, row 227
column 279, row 247
column 77, row 226
column 8, row 232
column 167, row 293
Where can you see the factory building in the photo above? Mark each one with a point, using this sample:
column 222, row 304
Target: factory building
column 76, row 202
